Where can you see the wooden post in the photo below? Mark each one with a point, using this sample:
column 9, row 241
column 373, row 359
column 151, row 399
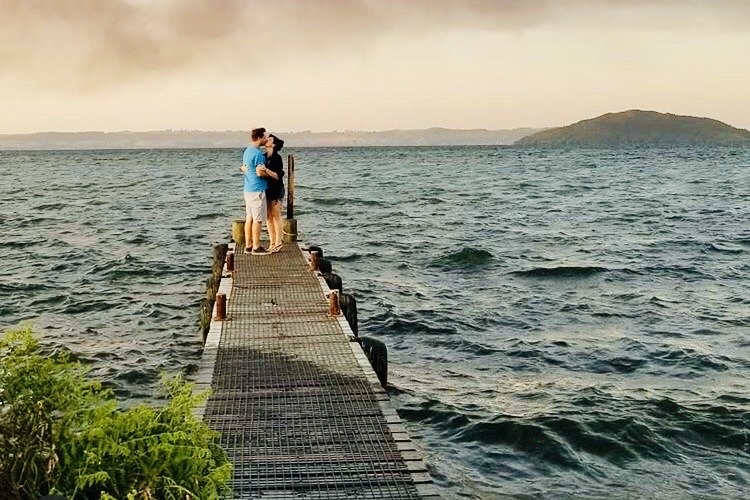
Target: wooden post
column 290, row 224
column 290, row 187
column 290, row 231
column 333, row 303
column 314, row 261
column 230, row 261
column 221, row 307
column 238, row 233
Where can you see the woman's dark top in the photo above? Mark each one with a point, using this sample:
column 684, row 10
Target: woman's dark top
column 275, row 188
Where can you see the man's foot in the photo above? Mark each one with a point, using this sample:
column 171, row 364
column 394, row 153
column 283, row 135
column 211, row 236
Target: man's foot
column 248, row 250
column 276, row 248
column 259, row 251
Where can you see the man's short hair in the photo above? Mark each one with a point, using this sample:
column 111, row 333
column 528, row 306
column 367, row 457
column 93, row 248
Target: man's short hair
column 257, row 133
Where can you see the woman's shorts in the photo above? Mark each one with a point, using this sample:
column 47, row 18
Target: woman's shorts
column 255, row 206
column 276, row 193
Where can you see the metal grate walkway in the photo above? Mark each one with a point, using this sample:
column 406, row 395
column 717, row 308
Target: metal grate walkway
column 300, row 411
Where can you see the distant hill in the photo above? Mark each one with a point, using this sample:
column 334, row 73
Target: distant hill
column 637, row 127
column 168, row 139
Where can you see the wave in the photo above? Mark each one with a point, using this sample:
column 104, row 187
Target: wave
column 528, row 437
column 137, row 375
column 206, row 216
column 389, row 324
column 676, row 269
column 129, row 267
column 551, row 440
column 725, row 248
column 17, row 243
column 466, row 258
column 562, row 272
column 690, row 361
column 700, row 427
column 12, row 288
column 399, row 327
column 617, row 364
column 51, row 206
column 352, row 257
column 591, row 425
column 745, row 321
column 328, row 202
column 462, row 345
column 75, row 305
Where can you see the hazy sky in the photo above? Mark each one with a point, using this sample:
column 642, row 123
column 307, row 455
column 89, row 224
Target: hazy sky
column 289, row 65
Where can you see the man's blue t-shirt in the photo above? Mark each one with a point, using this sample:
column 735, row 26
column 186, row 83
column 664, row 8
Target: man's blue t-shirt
column 252, row 157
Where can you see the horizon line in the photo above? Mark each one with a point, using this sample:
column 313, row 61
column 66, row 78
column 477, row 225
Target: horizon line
column 360, row 131
column 247, row 131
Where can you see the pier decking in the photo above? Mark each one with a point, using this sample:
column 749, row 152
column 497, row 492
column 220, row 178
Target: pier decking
column 300, row 411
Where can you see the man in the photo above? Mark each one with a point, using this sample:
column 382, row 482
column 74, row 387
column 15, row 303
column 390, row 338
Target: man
column 254, row 168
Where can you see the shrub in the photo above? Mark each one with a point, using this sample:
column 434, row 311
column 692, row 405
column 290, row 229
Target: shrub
column 62, row 433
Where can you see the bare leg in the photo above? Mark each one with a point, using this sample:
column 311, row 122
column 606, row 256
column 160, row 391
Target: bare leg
column 257, row 226
column 248, row 232
column 271, row 226
column 279, row 225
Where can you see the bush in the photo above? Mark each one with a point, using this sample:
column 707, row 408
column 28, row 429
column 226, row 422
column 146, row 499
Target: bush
column 62, row 433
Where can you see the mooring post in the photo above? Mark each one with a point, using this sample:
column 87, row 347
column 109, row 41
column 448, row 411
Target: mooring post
column 290, row 187
column 314, row 261
column 230, row 261
column 290, row 224
column 333, row 303
column 221, row 307
column 238, row 233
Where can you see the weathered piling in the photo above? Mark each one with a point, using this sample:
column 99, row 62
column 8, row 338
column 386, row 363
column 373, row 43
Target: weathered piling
column 333, row 303
column 349, row 309
column 314, row 261
column 221, row 307
column 290, row 223
column 238, row 232
column 212, row 287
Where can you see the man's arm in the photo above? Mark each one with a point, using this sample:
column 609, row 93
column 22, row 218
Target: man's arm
column 262, row 171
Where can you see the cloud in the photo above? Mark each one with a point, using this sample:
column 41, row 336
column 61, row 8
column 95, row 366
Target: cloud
column 94, row 44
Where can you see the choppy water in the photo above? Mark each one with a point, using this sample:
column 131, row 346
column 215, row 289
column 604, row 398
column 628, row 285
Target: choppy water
column 560, row 324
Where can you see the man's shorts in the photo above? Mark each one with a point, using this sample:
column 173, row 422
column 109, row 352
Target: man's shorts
column 255, row 206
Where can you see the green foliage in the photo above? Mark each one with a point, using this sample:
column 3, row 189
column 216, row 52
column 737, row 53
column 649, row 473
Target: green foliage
column 635, row 127
column 39, row 396
column 62, row 433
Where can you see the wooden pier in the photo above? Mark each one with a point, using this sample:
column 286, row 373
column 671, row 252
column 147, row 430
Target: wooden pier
column 300, row 411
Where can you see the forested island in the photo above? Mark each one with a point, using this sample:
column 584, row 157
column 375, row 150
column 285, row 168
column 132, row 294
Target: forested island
column 636, row 127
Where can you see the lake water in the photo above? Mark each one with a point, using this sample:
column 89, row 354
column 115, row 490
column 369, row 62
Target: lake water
column 560, row 324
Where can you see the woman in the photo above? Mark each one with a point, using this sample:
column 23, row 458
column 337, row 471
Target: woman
column 274, row 191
